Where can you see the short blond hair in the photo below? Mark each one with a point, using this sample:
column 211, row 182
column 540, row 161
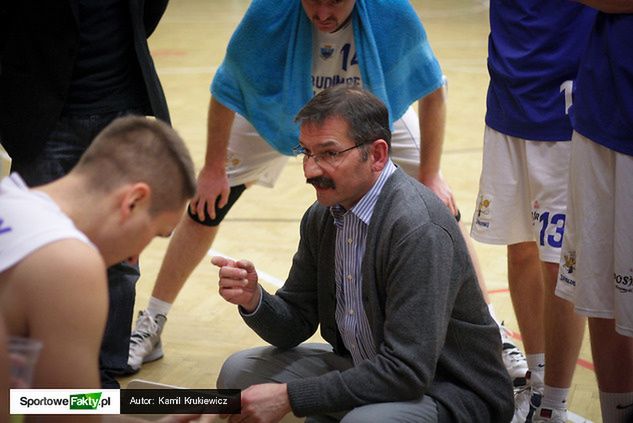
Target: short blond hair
column 138, row 149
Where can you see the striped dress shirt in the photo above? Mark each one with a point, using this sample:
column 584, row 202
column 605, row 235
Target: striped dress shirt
column 351, row 233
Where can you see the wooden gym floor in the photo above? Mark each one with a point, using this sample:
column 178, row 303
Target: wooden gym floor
column 202, row 329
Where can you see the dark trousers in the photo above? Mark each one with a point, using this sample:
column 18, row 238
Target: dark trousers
column 65, row 145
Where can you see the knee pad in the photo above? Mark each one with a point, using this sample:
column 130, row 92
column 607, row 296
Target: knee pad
column 458, row 216
column 220, row 213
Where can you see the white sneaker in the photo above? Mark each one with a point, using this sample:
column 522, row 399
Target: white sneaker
column 513, row 359
column 145, row 344
column 549, row 415
column 526, row 401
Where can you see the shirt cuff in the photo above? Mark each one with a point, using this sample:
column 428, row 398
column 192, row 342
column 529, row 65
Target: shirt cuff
column 243, row 311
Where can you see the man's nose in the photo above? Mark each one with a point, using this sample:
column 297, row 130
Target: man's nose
column 311, row 169
column 323, row 12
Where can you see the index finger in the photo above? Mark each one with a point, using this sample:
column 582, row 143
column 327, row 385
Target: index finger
column 220, row 261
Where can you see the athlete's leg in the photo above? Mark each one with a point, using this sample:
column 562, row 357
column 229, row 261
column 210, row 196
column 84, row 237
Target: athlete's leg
column 189, row 244
column 564, row 330
column 526, row 290
column 613, row 360
column 250, row 160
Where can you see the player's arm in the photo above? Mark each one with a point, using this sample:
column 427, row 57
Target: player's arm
column 432, row 115
column 219, row 122
column 64, row 293
column 4, row 373
column 63, row 290
column 212, row 180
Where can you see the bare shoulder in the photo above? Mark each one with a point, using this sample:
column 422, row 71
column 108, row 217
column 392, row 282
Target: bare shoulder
column 53, row 281
column 58, row 294
column 64, row 264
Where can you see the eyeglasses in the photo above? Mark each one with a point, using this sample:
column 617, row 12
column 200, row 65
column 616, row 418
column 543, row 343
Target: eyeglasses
column 330, row 158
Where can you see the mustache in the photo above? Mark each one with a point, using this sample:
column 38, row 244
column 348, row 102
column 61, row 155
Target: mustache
column 321, row 182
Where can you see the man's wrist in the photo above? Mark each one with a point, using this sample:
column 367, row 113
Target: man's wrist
column 252, row 308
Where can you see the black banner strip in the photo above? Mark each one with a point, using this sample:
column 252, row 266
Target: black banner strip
column 180, row 401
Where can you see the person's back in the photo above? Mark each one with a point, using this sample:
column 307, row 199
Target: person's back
column 56, row 241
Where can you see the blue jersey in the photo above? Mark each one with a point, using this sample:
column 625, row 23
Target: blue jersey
column 603, row 110
column 534, row 49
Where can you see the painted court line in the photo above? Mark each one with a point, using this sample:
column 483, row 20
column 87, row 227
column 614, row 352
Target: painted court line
column 575, row 418
column 266, row 277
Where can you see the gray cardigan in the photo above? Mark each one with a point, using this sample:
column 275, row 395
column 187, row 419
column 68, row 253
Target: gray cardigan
column 430, row 324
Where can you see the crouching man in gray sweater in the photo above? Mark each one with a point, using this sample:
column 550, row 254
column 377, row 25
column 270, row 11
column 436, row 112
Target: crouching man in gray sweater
column 383, row 270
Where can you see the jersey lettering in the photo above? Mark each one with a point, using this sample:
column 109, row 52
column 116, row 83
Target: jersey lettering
column 558, row 221
column 567, row 87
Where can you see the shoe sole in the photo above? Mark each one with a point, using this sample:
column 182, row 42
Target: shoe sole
column 156, row 354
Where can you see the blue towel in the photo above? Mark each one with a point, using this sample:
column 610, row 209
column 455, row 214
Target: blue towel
column 266, row 73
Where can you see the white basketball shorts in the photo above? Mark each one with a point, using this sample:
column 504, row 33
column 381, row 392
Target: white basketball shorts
column 522, row 193
column 596, row 266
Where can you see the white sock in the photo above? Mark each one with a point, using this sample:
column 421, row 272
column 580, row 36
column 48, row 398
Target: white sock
column 616, row 407
column 536, row 365
column 156, row 307
column 554, row 397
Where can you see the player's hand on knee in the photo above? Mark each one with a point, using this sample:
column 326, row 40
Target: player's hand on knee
column 438, row 185
column 213, row 183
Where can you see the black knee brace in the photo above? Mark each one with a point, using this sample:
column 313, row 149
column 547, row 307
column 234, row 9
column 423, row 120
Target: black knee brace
column 458, row 216
column 234, row 194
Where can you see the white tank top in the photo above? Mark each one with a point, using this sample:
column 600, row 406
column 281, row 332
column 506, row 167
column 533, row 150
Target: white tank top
column 29, row 220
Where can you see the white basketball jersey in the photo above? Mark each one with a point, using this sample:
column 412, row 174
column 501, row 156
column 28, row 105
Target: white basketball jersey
column 334, row 59
column 28, row 221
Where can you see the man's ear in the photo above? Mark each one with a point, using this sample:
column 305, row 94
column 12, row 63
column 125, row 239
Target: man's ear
column 379, row 154
column 136, row 196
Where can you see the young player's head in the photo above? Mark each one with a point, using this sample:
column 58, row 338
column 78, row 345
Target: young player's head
column 137, row 149
column 142, row 175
